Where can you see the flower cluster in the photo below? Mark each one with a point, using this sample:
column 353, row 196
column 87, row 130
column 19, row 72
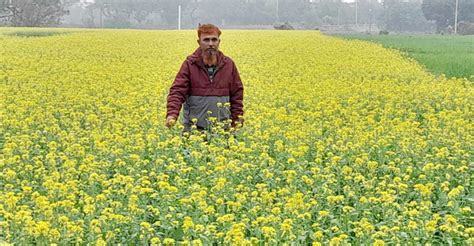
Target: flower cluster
column 344, row 142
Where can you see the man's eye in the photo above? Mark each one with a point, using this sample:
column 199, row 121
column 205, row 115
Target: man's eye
column 207, row 40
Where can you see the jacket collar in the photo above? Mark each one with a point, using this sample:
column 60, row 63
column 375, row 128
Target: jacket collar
column 197, row 59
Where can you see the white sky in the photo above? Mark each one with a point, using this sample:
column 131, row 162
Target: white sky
column 351, row 1
column 347, row 1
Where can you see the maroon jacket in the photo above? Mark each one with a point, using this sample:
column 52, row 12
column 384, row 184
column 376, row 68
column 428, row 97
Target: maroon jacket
column 193, row 87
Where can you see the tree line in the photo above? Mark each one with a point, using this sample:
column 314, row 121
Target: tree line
column 390, row 15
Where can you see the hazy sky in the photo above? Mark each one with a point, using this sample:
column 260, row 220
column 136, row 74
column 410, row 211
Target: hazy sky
column 347, row 1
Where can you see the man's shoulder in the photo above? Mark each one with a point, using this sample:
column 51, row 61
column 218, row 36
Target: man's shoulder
column 193, row 57
column 227, row 58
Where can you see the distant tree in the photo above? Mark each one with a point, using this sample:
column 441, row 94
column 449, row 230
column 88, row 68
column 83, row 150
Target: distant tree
column 4, row 12
column 228, row 13
column 140, row 13
column 33, row 13
column 442, row 11
column 403, row 16
column 292, row 10
column 168, row 10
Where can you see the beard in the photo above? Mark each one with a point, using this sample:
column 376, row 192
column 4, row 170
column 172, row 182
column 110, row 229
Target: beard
column 209, row 57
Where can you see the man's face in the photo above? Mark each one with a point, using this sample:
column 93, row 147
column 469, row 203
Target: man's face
column 209, row 43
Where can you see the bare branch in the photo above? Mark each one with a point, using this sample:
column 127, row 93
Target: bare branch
column 6, row 16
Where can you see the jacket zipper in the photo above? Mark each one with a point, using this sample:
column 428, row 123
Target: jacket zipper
column 214, row 75
column 210, row 79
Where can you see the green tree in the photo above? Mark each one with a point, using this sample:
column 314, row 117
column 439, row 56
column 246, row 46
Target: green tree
column 442, row 11
column 33, row 13
column 403, row 16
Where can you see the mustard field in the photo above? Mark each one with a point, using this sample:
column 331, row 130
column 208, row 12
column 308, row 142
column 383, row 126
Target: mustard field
column 344, row 142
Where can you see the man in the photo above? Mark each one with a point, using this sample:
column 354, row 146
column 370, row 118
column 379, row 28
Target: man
column 207, row 81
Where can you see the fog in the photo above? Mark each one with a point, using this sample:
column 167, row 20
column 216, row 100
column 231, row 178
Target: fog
column 329, row 16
